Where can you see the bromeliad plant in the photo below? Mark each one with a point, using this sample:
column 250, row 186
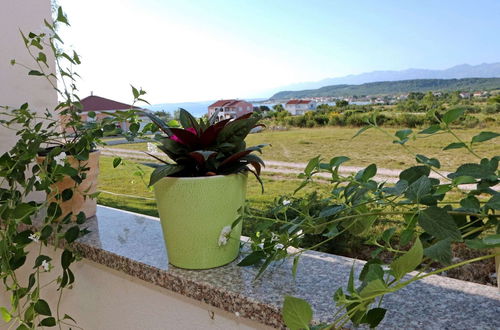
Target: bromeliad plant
column 426, row 212
column 206, row 147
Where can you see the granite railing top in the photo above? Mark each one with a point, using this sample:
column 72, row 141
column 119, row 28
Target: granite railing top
column 133, row 244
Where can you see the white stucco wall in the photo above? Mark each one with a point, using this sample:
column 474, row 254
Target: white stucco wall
column 16, row 87
column 105, row 299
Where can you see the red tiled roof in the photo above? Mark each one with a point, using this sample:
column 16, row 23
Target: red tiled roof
column 97, row 103
column 225, row 103
column 298, row 102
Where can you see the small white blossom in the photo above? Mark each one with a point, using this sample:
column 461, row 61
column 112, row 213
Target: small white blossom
column 224, row 235
column 34, row 237
column 300, row 233
column 274, row 237
column 279, row 246
column 237, row 314
column 152, row 148
column 59, row 159
column 261, row 245
column 286, row 202
column 45, row 265
column 38, row 179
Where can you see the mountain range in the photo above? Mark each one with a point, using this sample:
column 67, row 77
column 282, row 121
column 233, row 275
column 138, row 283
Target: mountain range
column 485, row 70
column 394, row 87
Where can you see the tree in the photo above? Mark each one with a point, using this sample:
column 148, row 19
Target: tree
column 341, row 103
column 278, row 107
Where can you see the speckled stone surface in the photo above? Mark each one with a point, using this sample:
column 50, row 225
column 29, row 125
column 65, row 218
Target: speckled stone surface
column 133, row 244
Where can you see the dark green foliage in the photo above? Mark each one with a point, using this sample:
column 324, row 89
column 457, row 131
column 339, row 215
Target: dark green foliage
column 205, row 148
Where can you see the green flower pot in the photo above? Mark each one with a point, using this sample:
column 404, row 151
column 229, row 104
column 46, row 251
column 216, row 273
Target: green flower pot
column 193, row 212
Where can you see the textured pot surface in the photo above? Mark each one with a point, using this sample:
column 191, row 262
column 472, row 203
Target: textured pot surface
column 193, row 212
column 79, row 203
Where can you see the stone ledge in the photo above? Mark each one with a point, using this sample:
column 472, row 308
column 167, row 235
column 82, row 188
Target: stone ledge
column 133, row 243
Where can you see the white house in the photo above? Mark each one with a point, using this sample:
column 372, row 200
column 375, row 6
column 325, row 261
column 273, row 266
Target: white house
column 299, row 107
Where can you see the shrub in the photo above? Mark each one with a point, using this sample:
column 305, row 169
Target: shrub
column 491, row 108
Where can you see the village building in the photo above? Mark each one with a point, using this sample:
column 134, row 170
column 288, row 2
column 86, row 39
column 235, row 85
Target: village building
column 103, row 107
column 299, row 107
column 230, row 108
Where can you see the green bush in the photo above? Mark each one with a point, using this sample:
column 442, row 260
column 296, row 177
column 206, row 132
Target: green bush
column 491, row 108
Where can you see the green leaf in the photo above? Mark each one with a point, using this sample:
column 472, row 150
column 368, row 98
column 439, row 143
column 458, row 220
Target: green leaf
column 470, row 203
column 431, row 129
column 440, row 251
column 455, row 145
column 428, row 161
column 375, row 287
column 438, row 223
column 67, row 194
column 374, row 317
column 5, row 314
column 252, row 259
column 42, row 308
column 35, row 73
column 463, row 179
column 295, row 265
column 361, row 131
column 484, row 136
column 476, row 244
column 418, row 189
column 413, row 173
column 23, row 210
column 72, row 234
column 311, row 165
column 164, row 171
column 66, row 259
column 48, row 322
column 297, row 313
column 492, row 240
column 61, row 17
column 117, row 161
column 408, row 261
column 452, row 115
column 494, row 202
column 403, row 134
column 367, row 173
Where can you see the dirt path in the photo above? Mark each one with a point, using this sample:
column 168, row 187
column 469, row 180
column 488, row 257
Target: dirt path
column 272, row 166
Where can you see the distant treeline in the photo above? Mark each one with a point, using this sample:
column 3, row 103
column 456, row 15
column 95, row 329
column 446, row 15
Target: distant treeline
column 401, row 115
column 394, row 87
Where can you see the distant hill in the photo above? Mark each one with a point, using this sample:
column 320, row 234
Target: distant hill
column 395, row 87
column 485, row 70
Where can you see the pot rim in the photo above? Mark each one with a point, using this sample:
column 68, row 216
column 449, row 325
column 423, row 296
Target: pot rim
column 202, row 177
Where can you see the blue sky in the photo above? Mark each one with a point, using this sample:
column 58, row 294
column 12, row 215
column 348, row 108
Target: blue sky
column 202, row 50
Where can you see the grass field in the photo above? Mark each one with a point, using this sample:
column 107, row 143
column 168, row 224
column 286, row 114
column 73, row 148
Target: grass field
column 299, row 145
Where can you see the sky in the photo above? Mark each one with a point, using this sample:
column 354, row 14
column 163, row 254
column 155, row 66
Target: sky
column 197, row 50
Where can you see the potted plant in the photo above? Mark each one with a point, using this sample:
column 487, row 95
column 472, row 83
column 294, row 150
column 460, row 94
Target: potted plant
column 201, row 187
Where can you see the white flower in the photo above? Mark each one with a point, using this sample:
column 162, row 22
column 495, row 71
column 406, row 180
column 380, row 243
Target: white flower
column 261, row 245
column 286, row 202
column 34, row 237
column 237, row 314
column 37, row 179
column 152, row 148
column 45, row 265
column 279, row 246
column 59, row 159
column 274, row 237
column 224, row 235
column 300, row 233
